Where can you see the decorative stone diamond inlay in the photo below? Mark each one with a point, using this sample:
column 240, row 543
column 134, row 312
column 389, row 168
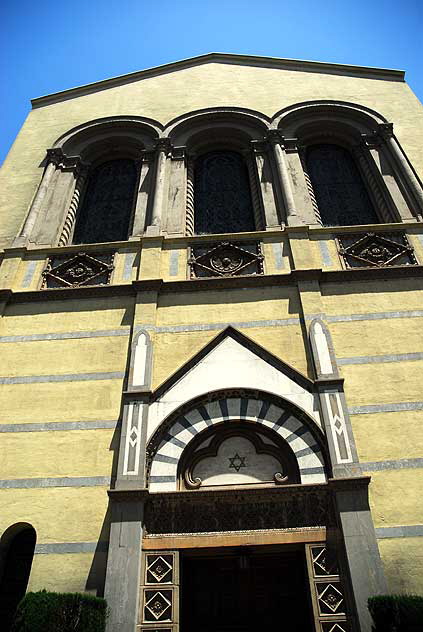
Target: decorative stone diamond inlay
column 324, row 563
column 160, row 568
column 81, row 269
column 376, row 250
column 133, row 437
column 158, row 605
column 237, row 462
column 338, row 424
column 334, row 627
column 331, row 597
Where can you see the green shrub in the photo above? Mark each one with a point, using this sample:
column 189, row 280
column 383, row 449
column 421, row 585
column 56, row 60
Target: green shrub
column 397, row 613
column 60, row 612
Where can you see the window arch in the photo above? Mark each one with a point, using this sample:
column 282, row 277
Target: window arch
column 107, row 207
column 17, row 551
column 222, row 195
column 340, row 193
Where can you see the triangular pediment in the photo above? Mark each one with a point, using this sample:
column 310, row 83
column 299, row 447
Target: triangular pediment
column 220, row 58
column 239, row 351
column 232, row 361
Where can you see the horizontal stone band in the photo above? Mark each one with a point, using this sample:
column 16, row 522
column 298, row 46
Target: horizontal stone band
column 408, row 531
column 66, row 377
column 76, row 481
column 54, row 548
column 50, row 426
column 385, row 408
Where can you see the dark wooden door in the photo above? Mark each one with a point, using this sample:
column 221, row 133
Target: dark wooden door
column 245, row 593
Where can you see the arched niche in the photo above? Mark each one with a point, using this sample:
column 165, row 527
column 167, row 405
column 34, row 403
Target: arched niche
column 230, row 134
column 237, row 454
column 72, row 164
column 294, row 435
column 17, row 546
column 365, row 139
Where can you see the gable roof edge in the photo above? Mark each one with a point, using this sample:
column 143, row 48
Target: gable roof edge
column 228, row 58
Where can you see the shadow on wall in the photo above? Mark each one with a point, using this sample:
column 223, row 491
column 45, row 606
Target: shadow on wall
column 16, row 554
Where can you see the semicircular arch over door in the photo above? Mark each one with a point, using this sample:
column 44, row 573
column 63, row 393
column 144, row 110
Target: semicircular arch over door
column 282, row 419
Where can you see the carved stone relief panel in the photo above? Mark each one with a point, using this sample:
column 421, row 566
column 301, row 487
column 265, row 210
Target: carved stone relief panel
column 226, row 259
column 76, row 270
column 376, row 250
column 249, row 510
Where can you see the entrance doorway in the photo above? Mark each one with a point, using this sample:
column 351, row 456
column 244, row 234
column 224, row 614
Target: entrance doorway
column 245, row 590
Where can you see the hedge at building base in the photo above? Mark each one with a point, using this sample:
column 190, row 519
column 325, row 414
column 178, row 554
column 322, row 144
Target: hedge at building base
column 397, row 613
column 60, row 612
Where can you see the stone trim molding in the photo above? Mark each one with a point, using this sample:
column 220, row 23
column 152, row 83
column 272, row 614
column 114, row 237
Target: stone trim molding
column 224, row 58
column 341, row 318
column 58, row 426
column 385, row 408
column 75, row 481
column 55, row 548
column 67, row 377
column 406, row 531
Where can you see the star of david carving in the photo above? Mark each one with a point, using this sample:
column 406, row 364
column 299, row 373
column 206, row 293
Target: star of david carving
column 237, row 462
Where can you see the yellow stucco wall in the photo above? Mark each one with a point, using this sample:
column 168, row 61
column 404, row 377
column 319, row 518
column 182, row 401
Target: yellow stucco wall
column 179, row 327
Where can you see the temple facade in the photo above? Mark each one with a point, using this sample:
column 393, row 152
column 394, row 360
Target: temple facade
column 211, row 315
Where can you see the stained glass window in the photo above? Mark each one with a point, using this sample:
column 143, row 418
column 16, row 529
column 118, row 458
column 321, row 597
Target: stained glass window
column 107, row 208
column 222, row 197
column 339, row 189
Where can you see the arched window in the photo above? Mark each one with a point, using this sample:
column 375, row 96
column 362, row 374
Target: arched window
column 340, row 193
column 17, row 549
column 222, row 196
column 106, row 211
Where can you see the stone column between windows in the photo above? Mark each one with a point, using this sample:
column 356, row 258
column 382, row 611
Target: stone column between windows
column 53, row 158
column 302, row 190
column 163, row 147
column 265, row 186
column 285, row 182
column 66, row 235
column 144, row 191
column 174, row 223
column 386, row 132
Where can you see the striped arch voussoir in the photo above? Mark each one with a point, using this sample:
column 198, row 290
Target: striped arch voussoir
column 166, row 447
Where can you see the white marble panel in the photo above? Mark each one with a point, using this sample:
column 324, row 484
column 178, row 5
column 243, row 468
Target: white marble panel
column 298, row 444
column 229, row 365
column 163, row 469
column 162, row 487
column 237, row 462
column 309, row 479
column 309, row 460
column 140, row 359
column 170, row 449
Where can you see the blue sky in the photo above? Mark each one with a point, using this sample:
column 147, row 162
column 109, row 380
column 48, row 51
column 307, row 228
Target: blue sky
column 48, row 46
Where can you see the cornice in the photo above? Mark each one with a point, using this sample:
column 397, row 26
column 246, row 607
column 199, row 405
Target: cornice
column 224, row 58
column 213, row 283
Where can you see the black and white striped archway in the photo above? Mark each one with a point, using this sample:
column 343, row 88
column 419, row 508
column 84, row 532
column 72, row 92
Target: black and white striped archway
column 290, row 423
